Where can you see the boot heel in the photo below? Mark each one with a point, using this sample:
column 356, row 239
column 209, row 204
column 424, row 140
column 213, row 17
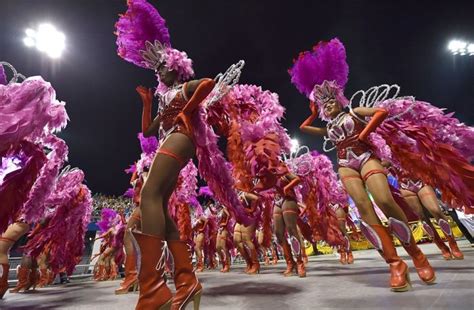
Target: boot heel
column 408, row 287
column 404, row 288
column 135, row 287
column 431, row 282
column 167, row 305
column 197, row 300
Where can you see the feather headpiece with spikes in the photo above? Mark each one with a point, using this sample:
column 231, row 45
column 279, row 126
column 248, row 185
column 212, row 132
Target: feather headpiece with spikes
column 143, row 39
column 321, row 74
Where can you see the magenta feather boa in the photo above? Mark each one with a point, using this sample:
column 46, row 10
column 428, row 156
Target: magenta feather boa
column 214, row 168
column 270, row 114
column 185, row 191
column 446, row 128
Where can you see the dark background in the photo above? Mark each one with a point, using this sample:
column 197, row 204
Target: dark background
column 386, row 42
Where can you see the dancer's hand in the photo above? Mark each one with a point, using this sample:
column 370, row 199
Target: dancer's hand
column 306, row 126
column 145, row 93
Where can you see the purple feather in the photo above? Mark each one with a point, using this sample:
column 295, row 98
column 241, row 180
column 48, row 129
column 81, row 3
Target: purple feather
column 148, row 145
column 131, row 169
column 140, row 23
column 129, row 193
column 107, row 219
column 205, row 191
column 187, row 185
column 326, row 62
column 380, row 147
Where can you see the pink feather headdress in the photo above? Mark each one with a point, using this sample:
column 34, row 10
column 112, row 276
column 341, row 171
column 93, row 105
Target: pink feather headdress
column 321, row 74
column 143, row 39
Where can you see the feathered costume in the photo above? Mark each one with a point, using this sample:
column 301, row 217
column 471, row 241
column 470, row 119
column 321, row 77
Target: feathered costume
column 29, row 117
column 320, row 190
column 112, row 228
column 64, row 233
column 255, row 139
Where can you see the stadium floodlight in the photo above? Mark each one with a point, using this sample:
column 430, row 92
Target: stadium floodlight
column 47, row 39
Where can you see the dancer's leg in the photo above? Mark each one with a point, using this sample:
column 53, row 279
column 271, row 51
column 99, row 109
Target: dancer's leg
column 248, row 233
column 373, row 230
column 378, row 186
column 161, row 182
column 290, row 217
column 414, row 202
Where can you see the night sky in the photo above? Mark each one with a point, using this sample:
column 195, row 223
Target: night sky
column 386, row 42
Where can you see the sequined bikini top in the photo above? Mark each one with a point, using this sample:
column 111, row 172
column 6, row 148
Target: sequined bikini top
column 170, row 105
column 343, row 126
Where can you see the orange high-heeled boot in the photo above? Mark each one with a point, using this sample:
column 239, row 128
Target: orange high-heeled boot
column 255, row 264
column 305, row 256
column 455, row 251
column 290, row 263
column 437, row 240
column 34, row 278
column 245, row 255
column 348, row 251
column 98, row 272
column 130, row 282
column 227, row 262
column 380, row 238
column 187, row 285
column 4, row 268
column 44, row 278
column 342, row 256
column 212, row 263
column 274, row 256
column 52, row 276
column 200, row 265
column 403, row 233
column 222, row 260
column 350, row 257
column 113, row 272
column 23, row 275
column 296, row 250
column 150, row 251
column 300, row 265
column 266, row 259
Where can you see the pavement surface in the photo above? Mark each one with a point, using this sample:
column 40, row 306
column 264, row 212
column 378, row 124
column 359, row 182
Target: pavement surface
column 328, row 285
